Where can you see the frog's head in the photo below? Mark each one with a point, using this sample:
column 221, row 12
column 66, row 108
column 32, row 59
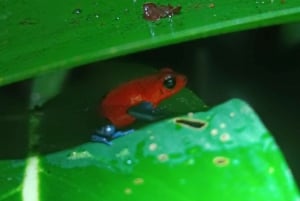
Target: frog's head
column 169, row 83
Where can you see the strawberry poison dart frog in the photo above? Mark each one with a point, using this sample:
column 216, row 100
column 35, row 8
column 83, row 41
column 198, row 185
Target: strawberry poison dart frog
column 137, row 100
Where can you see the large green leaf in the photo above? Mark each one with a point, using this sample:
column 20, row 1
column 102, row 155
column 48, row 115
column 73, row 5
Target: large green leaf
column 39, row 36
column 232, row 157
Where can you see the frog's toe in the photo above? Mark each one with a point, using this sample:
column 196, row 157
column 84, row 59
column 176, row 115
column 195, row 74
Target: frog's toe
column 97, row 138
column 122, row 133
column 108, row 133
column 107, row 130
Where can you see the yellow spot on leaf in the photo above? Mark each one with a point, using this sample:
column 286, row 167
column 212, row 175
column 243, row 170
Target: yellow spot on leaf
column 225, row 137
column 152, row 146
column 221, row 161
column 163, row 157
column 138, row 181
column 127, row 191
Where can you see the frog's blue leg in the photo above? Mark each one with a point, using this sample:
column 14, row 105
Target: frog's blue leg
column 108, row 133
column 146, row 111
column 98, row 138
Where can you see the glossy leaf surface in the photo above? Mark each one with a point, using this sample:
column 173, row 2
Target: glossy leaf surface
column 231, row 157
column 38, row 37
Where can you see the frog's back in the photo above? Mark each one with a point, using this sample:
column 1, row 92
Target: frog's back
column 151, row 89
column 116, row 104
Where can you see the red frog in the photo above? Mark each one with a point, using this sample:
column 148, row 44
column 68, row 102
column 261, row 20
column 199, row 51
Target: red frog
column 137, row 99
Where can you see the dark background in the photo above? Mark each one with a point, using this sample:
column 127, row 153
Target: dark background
column 258, row 66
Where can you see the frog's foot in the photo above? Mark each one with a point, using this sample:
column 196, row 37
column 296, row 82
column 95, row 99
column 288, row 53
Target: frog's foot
column 98, row 138
column 108, row 133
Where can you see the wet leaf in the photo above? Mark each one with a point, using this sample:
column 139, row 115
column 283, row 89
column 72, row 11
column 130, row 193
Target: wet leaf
column 232, row 157
column 38, row 37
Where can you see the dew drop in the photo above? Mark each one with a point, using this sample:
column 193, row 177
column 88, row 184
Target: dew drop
column 190, row 114
column 222, row 125
column 152, row 146
column 214, row 132
column 232, row 114
column 129, row 162
column 77, row 11
column 225, row 137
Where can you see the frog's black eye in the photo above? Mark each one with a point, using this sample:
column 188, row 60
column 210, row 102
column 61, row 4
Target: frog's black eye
column 170, row 82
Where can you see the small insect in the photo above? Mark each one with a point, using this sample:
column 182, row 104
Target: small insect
column 153, row 12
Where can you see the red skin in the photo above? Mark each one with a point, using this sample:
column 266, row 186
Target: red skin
column 150, row 88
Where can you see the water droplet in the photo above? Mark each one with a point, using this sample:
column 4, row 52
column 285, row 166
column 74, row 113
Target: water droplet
column 117, row 18
column 232, row 114
column 190, row 114
column 129, row 162
column 222, row 125
column 214, row 132
column 97, row 16
column 77, row 11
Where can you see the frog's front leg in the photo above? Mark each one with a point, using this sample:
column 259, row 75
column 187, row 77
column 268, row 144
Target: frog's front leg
column 108, row 133
column 146, row 111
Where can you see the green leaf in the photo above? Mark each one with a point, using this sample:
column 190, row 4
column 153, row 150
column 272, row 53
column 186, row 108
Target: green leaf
column 233, row 157
column 38, row 37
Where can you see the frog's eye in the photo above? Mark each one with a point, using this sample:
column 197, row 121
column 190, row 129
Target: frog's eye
column 169, row 82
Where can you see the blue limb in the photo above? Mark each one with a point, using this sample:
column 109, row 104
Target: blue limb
column 97, row 138
column 146, row 111
column 108, row 133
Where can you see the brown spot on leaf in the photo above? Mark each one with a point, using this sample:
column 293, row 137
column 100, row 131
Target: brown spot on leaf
column 153, row 12
column 191, row 123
